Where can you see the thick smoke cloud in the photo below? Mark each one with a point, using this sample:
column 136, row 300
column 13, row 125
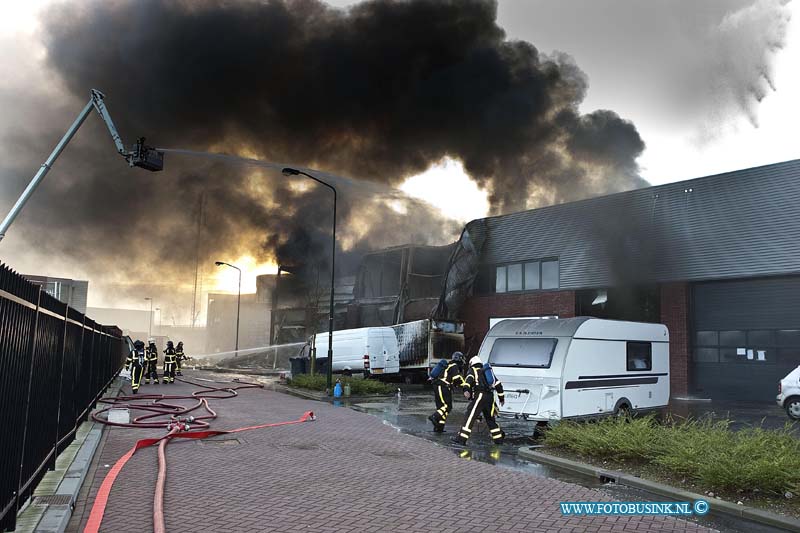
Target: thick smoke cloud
column 377, row 92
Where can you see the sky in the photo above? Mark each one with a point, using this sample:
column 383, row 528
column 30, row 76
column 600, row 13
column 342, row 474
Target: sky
column 636, row 53
column 710, row 86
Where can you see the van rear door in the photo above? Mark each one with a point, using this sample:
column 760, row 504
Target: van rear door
column 392, row 351
column 376, row 350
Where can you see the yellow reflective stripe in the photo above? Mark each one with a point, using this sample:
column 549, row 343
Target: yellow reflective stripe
column 495, row 430
column 477, row 403
column 441, row 395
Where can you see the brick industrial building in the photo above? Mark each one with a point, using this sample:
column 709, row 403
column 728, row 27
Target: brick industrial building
column 716, row 259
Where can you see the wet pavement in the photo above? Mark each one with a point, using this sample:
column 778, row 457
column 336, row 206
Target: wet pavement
column 409, row 412
column 347, row 471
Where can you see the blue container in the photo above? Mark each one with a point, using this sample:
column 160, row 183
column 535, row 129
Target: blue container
column 337, row 390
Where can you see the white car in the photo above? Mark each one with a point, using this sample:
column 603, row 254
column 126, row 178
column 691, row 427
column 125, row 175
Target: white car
column 789, row 394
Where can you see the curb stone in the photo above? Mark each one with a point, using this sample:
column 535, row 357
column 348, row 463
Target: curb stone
column 717, row 506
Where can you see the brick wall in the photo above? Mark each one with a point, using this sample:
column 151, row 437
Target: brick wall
column 675, row 315
column 478, row 309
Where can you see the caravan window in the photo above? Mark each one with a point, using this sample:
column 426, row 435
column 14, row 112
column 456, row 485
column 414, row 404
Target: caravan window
column 640, row 356
column 523, row 352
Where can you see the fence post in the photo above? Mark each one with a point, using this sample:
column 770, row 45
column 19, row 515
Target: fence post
column 61, row 380
column 87, row 375
column 28, row 396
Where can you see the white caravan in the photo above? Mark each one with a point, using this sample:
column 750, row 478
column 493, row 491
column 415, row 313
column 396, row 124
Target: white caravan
column 368, row 350
column 553, row 369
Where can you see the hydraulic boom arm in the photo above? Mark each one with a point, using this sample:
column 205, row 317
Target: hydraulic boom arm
column 139, row 155
column 100, row 106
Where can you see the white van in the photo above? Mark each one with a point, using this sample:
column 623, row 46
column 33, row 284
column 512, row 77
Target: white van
column 368, row 350
column 554, row 369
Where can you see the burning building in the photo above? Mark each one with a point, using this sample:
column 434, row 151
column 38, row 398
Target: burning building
column 716, row 259
column 299, row 305
column 398, row 284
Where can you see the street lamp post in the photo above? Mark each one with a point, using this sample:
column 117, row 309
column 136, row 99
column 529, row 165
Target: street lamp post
column 150, row 319
column 294, row 172
column 238, row 302
column 272, row 336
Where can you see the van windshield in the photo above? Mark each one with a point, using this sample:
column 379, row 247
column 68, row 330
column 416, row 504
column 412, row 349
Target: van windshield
column 523, row 352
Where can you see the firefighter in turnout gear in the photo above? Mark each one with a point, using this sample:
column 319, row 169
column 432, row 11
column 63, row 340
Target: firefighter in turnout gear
column 169, row 363
column 480, row 386
column 179, row 357
column 152, row 362
column 444, row 378
column 136, row 362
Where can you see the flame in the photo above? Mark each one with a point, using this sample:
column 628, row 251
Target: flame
column 226, row 279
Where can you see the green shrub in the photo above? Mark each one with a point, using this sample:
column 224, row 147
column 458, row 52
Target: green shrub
column 358, row 386
column 307, row 381
column 705, row 451
column 636, row 439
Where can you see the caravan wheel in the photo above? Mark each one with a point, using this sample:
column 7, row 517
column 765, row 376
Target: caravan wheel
column 623, row 410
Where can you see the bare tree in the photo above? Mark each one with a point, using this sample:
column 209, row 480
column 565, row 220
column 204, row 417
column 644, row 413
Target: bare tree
column 311, row 299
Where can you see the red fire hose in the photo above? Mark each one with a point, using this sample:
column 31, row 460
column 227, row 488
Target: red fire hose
column 178, row 428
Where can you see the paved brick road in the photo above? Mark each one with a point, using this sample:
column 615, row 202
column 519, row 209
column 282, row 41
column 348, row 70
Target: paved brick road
column 345, row 472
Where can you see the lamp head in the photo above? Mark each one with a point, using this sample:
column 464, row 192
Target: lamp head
column 290, row 171
column 219, row 263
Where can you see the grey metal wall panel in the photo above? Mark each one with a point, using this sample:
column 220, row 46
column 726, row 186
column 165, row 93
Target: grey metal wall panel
column 733, row 225
column 766, row 304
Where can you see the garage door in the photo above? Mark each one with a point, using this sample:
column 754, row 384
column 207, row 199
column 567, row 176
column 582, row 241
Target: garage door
column 746, row 337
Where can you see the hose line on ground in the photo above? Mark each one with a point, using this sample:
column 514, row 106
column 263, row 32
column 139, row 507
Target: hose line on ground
column 178, row 427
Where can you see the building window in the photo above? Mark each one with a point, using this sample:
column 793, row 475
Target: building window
column 528, row 276
column 550, row 274
column 532, row 276
column 514, row 278
column 640, row 356
column 747, row 347
column 500, row 283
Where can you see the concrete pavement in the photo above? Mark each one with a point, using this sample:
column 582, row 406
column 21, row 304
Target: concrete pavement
column 348, row 471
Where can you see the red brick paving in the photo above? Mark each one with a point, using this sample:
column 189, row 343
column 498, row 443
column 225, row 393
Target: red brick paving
column 347, row 471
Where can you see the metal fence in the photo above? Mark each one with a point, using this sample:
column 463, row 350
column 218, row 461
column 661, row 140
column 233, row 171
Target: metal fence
column 55, row 363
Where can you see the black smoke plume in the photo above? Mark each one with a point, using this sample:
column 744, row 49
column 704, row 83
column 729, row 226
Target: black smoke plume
column 378, row 92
